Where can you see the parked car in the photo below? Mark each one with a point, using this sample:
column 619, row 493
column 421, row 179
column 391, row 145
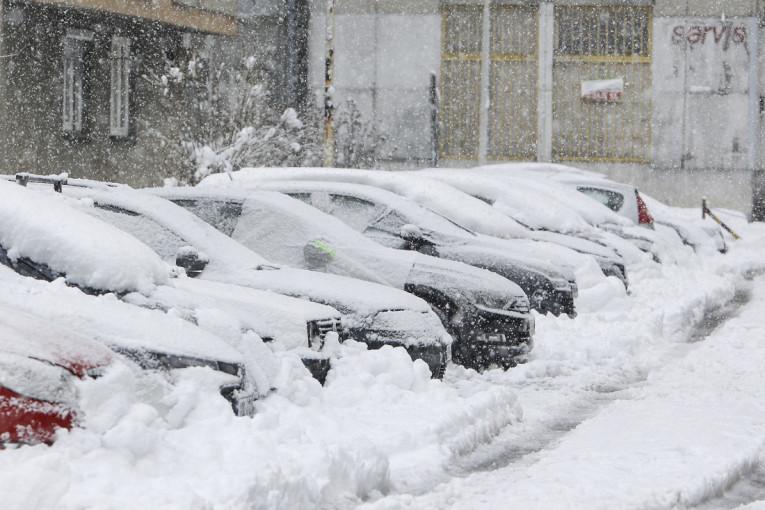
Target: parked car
column 43, row 237
column 396, row 222
column 39, row 362
column 453, row 204
column 560, row 182
column 626, row 200
column 371, row 313
column 487, row 315
column 152, row 339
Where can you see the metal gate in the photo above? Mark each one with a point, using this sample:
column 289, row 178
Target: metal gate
column 602, row 43
column 460, row 80
column 512, row 117
column 513, row 83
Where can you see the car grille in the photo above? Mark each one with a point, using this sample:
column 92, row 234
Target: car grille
column 317, row 331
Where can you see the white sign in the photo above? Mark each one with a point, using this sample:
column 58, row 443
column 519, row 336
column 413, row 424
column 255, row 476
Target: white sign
column 603, row 90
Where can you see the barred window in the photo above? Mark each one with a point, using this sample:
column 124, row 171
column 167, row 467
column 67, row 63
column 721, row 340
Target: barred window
column 619, row 31
column 119, row 113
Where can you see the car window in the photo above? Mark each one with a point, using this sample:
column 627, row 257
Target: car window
column 163, row 241
column 355, row 212
column 390, row 223
column 223, row 215
column 611, row 199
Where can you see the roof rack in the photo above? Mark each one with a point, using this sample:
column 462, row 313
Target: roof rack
column 58, row 181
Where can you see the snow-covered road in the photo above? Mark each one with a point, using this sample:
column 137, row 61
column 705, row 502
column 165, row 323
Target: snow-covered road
column 659, row 416
column 626, row 406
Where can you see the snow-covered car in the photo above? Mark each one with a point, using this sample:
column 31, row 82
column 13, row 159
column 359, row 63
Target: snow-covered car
column 605, row 209
column 43, row 237
column 626, row 200
column 371, row 313
column 455, row 205
column 152, row 339
column 487, row 315
column 396, row 222
column 39, row 363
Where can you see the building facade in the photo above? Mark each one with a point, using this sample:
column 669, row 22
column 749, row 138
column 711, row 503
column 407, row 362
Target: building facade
column 658, row 92
column 75, row 93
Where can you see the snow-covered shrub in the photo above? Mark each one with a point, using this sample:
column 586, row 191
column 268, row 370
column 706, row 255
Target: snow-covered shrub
column 228, row 119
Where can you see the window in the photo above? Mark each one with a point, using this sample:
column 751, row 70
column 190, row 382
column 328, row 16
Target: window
column 355, row 212
column 75, row 47
column 119, row 113
column 164, row 242
column 221, row 215
column 610, row 199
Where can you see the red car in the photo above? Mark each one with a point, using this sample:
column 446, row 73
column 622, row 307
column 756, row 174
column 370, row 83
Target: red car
column 39, row 364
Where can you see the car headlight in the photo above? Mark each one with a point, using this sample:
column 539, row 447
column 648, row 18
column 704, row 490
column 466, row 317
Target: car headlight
column 561, row 284
column 500, row 302
column 538, row 296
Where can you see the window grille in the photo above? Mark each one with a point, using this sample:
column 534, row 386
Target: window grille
column 119, row 113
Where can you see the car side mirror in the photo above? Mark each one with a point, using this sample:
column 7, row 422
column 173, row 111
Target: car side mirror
column 411, row 234
column 318, row 255
column 415, row 240
column 191, row 260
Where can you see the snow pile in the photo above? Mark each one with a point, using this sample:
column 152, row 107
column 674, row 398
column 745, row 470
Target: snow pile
column 147, row 442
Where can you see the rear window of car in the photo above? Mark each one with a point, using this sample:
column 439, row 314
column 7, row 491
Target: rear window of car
column 220, row 214
column 611, row 199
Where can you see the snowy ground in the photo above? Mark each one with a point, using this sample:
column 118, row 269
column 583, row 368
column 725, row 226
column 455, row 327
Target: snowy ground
column 630, row 405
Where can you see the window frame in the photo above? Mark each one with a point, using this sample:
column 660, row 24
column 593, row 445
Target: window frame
column 76, row 45
column 120, row 87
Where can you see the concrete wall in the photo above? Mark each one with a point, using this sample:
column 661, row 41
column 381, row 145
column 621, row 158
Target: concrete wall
column 385, row 53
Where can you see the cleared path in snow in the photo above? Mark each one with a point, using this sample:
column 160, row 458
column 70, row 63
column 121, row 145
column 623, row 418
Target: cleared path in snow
column 621, row 435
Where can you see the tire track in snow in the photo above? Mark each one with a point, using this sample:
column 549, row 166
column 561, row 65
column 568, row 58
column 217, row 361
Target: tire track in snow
column 521, row 447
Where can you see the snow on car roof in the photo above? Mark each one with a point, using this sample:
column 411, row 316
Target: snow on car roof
column 554, row 189
column 110, row 320
column 42, row 227
column 525, row 204
column 416, row 213
column 176, row 219
column 459, row 207
column 25, row 335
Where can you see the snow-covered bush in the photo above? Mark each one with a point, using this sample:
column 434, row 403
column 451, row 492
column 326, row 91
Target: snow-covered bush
column 225, row 118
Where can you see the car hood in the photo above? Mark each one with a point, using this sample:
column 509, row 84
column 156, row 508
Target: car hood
column 25, row 335
column 110, row 321
column 348, row 295
column 269, row 314
column 463, row 282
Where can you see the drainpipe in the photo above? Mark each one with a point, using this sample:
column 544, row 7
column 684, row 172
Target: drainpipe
column 758, row 179
column 329, row 92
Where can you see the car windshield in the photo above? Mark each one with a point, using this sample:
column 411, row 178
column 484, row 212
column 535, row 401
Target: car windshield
column 366, row 216
column 223, row 215
column 160, row 239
